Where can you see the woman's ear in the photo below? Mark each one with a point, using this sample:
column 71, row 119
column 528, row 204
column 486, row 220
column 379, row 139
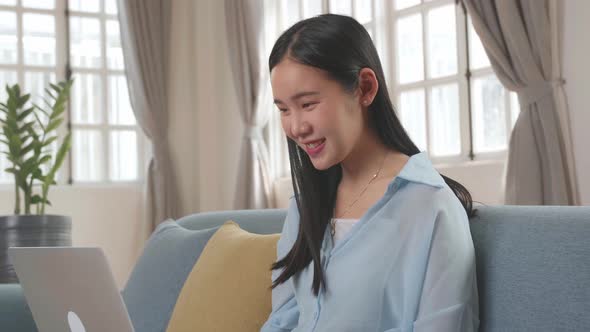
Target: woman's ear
column 368, row 86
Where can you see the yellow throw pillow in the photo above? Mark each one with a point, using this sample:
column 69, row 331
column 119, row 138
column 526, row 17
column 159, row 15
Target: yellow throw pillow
column 228, row 289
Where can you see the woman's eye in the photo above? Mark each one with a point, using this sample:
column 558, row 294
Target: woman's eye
column 306, row 105
column 282, row 110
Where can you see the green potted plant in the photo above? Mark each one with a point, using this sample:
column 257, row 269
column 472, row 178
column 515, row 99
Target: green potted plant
column 27, row 134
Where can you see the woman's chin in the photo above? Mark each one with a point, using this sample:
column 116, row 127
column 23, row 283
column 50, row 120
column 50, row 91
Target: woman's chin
column 320, row 167
column 321, row 164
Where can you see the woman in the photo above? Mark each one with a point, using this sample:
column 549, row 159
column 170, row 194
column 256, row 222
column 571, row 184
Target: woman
column 375, row 239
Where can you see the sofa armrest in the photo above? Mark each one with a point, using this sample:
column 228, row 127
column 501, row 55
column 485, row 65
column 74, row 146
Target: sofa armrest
column 15, row 314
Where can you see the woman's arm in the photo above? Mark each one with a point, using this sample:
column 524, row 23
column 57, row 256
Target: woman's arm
column 449, row 297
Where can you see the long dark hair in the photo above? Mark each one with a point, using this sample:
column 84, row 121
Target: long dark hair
column 341, row 47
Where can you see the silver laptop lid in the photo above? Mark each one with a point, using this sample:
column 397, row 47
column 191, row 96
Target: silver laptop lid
column 70, row 289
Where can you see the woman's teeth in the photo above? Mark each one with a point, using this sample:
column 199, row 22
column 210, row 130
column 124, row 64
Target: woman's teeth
column 313, row 145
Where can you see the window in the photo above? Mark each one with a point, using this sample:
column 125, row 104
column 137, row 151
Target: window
column 441, row 82
column 447, row 96
column 40, row 44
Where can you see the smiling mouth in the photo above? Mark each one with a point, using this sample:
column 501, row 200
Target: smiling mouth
column 315, row 144
column 313, row 149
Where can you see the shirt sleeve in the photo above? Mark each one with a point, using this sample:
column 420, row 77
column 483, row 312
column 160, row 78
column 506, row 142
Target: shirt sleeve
column 285, row 311
column 449, row 298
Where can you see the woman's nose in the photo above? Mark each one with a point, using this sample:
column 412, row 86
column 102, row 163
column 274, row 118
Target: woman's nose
column 300, row 128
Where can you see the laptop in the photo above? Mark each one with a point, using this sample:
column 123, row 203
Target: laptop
column 70, row 289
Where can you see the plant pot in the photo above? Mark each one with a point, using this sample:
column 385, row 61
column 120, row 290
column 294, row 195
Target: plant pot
column 31, row 231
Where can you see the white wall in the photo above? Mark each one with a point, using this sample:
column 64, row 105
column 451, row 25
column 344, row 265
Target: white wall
column 576, row 71
column 483, row 179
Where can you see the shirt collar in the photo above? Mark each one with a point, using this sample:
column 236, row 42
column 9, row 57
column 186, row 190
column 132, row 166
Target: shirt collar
column 419, row 169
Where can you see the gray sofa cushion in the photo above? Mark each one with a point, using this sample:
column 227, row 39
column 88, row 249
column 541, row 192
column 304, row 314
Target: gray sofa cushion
column 160, row 272
column 267, row 221
column 533, row 268
column 15, row 314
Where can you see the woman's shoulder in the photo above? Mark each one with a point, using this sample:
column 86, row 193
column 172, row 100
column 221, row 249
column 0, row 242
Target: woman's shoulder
column 426, row 202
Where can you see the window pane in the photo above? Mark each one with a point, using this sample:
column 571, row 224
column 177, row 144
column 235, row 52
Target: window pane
column 8, row 2
column 85, row 43
column 111, row 7
column 311, row 8
column 442, row 42
column 289, row 12
column 120, row 111
column 413, row 116
column 271, row 26
column 39, row 39
column 514, row 108
column 445, row 135
column 114, row 49
column 39, row 4
column 8, row 37
column 489, row 114
column 477, row 55
column 123, row 147
column 382, row 51
column 6, row 78
column 90, row 6
column 363, row 11
column 35, row 84
column 87, row 153
column 87, row 106
column 409, row 50
column 401, row 4
column 342, row 7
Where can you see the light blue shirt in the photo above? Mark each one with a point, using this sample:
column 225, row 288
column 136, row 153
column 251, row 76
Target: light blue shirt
column 407, row 265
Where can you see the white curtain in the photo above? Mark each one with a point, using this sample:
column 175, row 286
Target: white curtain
column 144, row 36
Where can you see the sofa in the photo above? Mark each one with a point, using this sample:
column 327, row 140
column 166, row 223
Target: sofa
column 533, row 266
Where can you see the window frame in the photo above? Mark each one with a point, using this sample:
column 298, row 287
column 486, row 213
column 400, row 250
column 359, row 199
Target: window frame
column 63, row 70
column 427, row 83
column 105, row 128
column 464, row 78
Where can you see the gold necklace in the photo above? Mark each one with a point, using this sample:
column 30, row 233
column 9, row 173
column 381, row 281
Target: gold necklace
column 333, row 220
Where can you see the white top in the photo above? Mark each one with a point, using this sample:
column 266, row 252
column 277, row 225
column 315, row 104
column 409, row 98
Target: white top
column 342, row 228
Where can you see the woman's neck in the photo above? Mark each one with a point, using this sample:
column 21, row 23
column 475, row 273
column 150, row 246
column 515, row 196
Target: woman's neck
column 364, row 160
